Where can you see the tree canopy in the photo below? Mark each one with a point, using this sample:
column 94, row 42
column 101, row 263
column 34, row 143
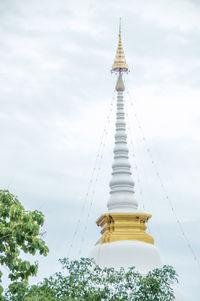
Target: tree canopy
column 80, row 280
column 84, row 280
column 19, row 232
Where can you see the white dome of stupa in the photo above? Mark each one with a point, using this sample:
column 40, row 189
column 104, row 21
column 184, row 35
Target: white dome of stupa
column 127, row 253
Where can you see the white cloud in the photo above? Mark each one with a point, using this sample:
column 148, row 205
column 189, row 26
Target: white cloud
column 56, row 88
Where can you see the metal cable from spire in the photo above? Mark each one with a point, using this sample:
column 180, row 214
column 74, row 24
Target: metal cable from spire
column 93, row 177
column 85, row 228
column 135, row 165
column 179, row 223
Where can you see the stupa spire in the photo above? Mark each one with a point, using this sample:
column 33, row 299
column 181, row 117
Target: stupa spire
column 121, row 185
column 120, row 61
column 123, row 223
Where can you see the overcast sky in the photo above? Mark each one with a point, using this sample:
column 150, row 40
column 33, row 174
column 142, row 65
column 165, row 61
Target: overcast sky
column 56, row 98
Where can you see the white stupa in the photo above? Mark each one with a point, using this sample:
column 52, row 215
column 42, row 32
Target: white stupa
column 124, row 241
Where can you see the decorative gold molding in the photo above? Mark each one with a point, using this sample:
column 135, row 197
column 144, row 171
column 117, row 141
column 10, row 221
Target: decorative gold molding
column 120, row 61
column 124, row 226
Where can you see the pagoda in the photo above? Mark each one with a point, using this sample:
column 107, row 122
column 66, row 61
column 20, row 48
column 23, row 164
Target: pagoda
column 124, row 241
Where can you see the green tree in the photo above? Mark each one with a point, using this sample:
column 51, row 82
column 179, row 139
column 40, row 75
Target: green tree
column 85, row 281
column 19, row 231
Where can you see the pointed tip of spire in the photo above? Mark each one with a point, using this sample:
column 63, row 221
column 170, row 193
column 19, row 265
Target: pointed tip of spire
column 120, row 24
column 120, row 61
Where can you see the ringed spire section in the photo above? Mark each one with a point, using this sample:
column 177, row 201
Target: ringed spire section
column 122, row 196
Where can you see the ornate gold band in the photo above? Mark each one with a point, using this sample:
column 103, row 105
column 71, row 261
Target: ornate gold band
column 124, row 226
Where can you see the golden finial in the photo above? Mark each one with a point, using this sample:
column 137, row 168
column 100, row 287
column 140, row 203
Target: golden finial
column 120, row 22
column 120, row 61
